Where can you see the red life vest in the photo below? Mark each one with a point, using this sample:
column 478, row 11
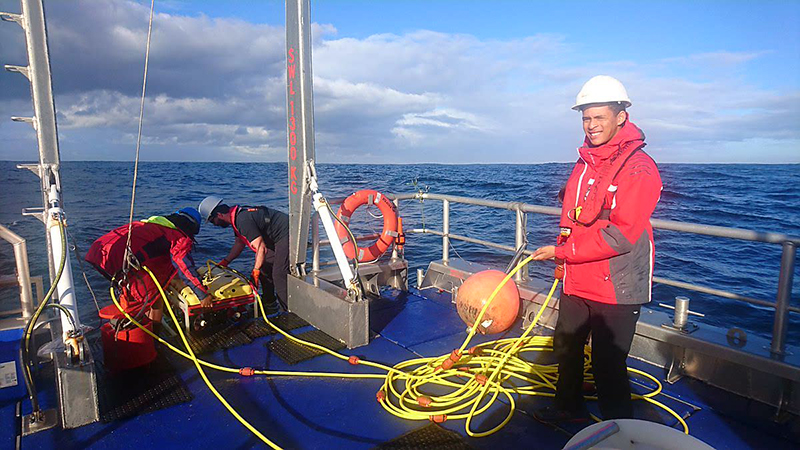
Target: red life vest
column 234, row 210
column 153, row 245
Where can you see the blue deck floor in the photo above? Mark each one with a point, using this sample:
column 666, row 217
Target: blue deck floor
column 338, row 413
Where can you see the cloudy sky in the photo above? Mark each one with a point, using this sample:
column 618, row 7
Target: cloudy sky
column 413, row 81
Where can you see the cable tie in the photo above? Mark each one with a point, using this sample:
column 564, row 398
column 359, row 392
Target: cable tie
column 353, row 360
column 464, row 369
column 481, row 379
column 246, row 371
column 424, row 401
column 438, row 418
column 380, row 396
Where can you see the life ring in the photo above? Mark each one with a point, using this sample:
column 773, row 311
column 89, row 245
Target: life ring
column 388, row 235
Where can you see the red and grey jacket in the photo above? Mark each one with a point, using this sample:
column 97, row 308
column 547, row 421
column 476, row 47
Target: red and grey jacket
column 608, row 201
column 164, row 249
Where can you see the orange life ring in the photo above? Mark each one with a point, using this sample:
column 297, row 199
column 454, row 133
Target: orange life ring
column 388, row 235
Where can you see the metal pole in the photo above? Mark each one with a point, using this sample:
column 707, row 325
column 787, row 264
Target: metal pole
column 445, row 231
column 782, row 301
column 519, row 240
column 315, row 243
column 23, row 270
column 394, row 247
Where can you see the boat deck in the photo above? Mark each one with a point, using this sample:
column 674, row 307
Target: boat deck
column 303, row 412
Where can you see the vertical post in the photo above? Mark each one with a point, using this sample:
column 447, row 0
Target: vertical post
column 784, row 295
column 519, row 241
column 394, row 247
column 315, row 243
column 299, row 127
column 445, row 231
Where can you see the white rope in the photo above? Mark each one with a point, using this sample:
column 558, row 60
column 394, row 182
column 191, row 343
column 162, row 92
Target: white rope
column 139, row 136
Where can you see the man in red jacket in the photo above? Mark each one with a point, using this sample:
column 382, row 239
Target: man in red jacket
column 606, row 250
column 164, row 245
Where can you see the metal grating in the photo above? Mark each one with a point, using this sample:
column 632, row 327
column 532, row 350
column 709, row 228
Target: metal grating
column 286, row 322
column 431, row 436
column 292, row 353
column 138, row 391
column 230, row 336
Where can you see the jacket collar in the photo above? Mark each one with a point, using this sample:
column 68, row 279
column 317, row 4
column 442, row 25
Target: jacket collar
column 627, row 135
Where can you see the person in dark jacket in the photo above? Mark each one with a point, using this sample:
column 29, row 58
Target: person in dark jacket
column 606, row 251
column 164, row 245
column 266, row 232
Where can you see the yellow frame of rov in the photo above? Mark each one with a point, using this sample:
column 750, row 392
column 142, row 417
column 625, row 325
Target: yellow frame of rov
column 221, row 283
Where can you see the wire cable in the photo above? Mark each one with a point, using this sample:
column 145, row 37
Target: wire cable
column 139, row 135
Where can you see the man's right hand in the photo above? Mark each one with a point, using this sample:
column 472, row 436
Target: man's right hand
column 254, row 277
column 544, row 253
column 207, row 301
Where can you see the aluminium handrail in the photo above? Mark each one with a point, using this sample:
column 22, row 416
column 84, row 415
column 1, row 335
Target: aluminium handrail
column 23, row 269
column 789, row 250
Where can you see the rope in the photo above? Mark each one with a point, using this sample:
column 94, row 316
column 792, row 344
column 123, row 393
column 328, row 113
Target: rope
column 139, row 137
column 83, row 272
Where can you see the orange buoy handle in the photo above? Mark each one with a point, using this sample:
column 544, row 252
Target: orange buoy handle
column 390, row 224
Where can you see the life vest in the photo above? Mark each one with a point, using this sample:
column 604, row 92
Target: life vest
column 606, row 239
column 154, row 243
column 239, row 235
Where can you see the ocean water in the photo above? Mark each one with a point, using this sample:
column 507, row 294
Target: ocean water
column 757, row 197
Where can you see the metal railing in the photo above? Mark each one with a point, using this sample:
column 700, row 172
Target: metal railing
column 789, row 244
column 23, row 277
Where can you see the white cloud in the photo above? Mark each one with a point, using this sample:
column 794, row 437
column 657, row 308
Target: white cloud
column 422, row 96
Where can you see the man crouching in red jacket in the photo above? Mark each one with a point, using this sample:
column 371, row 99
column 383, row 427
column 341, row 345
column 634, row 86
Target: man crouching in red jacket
column 606, row 249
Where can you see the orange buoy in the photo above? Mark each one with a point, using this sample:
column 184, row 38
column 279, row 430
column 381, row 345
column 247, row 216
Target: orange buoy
column 472, row 296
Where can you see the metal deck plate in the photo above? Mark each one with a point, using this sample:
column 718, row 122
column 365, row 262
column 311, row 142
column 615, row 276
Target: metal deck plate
column 429, row 436
column 292, row 353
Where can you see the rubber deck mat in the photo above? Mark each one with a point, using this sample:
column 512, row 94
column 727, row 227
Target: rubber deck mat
column 137, row 391
column 286, row 322
column 431, row 436
column 292, row 353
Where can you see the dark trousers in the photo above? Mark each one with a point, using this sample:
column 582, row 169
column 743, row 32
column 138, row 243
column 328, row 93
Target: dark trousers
column 274, row 271
column 612, row 328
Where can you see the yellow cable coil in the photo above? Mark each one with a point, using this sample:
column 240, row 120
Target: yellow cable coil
column 493, row 368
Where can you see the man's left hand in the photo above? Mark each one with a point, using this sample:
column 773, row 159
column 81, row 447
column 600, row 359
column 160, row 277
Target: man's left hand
column 544, row 253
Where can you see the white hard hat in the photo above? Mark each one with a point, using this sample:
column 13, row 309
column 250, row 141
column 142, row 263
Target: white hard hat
column 206, row 207
column 602, row 89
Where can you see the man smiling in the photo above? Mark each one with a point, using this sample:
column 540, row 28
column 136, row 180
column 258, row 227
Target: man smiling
column 606, row 251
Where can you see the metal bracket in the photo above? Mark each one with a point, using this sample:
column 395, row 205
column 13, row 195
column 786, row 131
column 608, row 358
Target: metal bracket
column 676, row 366
column 37, row 212
column 35, row 422
column 690, row 327
column 28, row 120
column 24, row 70
column 11, row 17
column 32, row 167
